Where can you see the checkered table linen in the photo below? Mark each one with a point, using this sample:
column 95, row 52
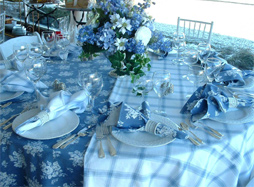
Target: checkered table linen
column 227, row 162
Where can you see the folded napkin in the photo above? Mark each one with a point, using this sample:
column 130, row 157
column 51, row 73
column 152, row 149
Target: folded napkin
column 15, row 81
column 127, row 119
column 231, row 76
column 59, row 103
column 209, row 101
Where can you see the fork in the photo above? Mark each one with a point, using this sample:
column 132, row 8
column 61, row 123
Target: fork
column 99, row 136
column 6, row 104
column 190, row 138
column 112, row 150
column 186, row 128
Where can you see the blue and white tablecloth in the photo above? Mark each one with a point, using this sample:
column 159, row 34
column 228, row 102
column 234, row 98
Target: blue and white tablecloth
column 225, row 162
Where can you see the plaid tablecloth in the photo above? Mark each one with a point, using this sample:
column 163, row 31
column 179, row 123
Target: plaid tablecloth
column 227, row 162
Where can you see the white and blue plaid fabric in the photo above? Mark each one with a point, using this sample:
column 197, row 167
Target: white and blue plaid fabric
column 225, row 162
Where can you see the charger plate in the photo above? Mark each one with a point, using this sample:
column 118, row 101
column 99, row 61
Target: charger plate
column 58, row 127
column 236, row 116
column 6, row 96
column 141, row 139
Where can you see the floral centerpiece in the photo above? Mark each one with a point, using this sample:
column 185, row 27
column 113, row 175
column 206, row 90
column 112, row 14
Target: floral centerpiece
column 125, row 32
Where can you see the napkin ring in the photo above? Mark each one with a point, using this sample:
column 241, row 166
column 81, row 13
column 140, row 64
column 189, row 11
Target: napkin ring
column 43, row 116
column 58, row 85
column 233, row 102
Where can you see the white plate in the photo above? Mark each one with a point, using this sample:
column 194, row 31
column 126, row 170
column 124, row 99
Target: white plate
column 237, row 116
column 58, row 127
column 6, row 96
column 141, row 139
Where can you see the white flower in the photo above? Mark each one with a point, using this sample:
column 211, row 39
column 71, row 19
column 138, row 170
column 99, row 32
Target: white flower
column 144, row 34
column 114, row 19
column 120, row 43
column 124, row 24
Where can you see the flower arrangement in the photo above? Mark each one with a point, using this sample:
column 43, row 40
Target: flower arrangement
column 125, row 32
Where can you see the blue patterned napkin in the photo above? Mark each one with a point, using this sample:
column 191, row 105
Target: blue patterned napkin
column 209, row 101
column 15, row 81
column 231, row 76
column 59, row 103
column 132, row 120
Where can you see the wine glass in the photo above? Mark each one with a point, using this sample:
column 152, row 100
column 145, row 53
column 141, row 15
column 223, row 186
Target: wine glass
column 180, row 44
column 143, row 85
column 35, row 50
column 204, row 50
column 62, row 43
column 35, row 69
column 213, row 68
column 20, row 52
column 92, row 83
column 48, row 39
column 162, row 87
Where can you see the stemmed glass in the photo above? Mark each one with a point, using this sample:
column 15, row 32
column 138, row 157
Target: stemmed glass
column 143, row 86
column 20, row 52
column 93, row 83
column 204, row 50
column 48, row 39
column 62, row 42
column 35, row 69
column 213, row 68
column 35, row 50
column 162, row 87
column 180, row 44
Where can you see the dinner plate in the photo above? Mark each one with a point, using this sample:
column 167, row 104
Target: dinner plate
column 236, row 116
column 141, row 139
column 55, row 128
column 6, row 96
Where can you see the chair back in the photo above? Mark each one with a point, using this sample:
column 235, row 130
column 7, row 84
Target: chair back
column 2, row 27
column 195, row 30
column 6, row 48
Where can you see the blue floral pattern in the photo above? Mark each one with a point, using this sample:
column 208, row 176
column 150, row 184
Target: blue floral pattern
column 34, row 163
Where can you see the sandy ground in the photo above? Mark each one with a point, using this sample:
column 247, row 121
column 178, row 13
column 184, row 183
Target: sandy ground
column 230, row 19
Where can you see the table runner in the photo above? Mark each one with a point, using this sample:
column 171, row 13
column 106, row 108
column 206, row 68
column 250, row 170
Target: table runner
column 225, row 162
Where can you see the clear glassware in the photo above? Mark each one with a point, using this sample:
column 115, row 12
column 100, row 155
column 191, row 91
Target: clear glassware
column 48, row 39
column 93, row 83
column 179, row 44
column 162, row 86
column 20, row 51
column 213, row 68
column 35, row 50
column 204, row 50
column 62, row 43
column 35, row 69
column 143, row 86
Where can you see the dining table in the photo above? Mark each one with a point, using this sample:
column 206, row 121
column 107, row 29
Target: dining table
column 30, row 161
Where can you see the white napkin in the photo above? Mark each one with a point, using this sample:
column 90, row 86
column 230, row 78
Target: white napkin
column 60, row 103
column 16, row 81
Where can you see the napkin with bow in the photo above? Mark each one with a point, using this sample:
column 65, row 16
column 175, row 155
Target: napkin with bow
column 231, row 76
column 128, row 119
column 209, row 101
column 15, row 81
column 59, row 103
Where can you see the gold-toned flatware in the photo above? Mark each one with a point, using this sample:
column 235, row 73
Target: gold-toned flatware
column 6, row 104
column 186, row 128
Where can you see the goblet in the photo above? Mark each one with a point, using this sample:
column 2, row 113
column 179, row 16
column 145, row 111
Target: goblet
column 162, row 87
column 204, row 50
column 93, row 83
column 180, row 44
column 20, row 52
column 35, row 50
column 143, row 85
column 62, row 42
column 48, row 39
column 35, row 69
column 213, row 68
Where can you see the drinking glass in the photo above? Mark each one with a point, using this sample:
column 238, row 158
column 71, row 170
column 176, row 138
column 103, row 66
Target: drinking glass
column 162, row 87
column 93, row 83
column 20, row 52
column 179, row 44
column 35, row 50
column 213, row 68
column 190, row 59
column 62, row 43
column 48, row 39
column 35, row 69
column 143, row 85
column 204, row 50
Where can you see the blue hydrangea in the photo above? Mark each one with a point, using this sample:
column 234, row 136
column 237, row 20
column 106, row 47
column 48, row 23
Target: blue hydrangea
column 159, row 42
column 136, row 47
column 86, row 34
